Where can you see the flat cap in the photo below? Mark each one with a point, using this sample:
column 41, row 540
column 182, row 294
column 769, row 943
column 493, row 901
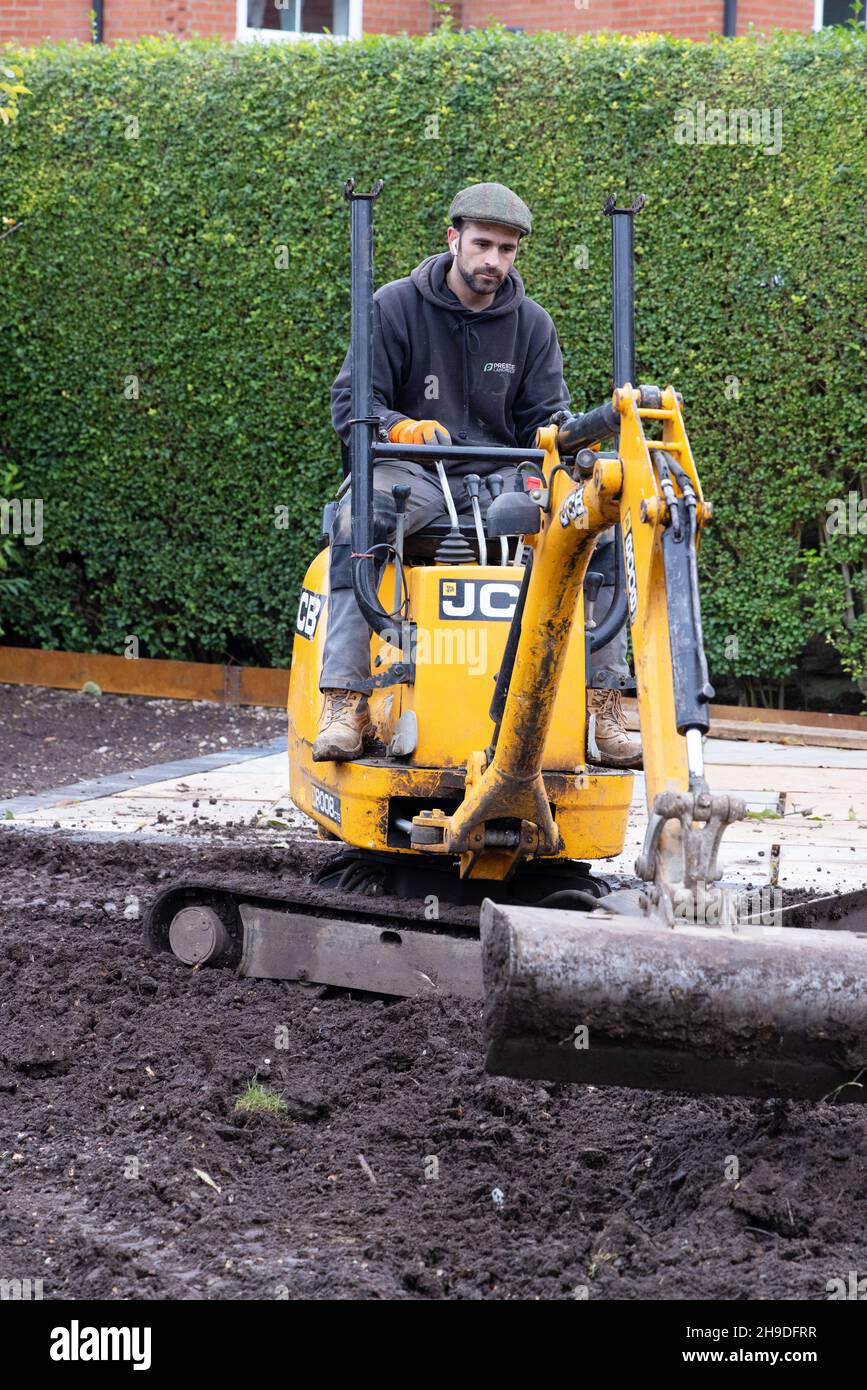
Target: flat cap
column 492, row 202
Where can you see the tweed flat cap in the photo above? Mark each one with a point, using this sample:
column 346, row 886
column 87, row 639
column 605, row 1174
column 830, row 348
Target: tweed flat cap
column 492, row 202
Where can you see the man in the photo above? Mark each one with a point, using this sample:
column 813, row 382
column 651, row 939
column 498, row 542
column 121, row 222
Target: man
column 457, row 338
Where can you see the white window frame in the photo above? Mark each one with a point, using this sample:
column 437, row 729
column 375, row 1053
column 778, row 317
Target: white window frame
column 246, row 34
column 819, row 15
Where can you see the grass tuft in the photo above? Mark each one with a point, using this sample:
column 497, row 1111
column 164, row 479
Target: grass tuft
column 259, row 1100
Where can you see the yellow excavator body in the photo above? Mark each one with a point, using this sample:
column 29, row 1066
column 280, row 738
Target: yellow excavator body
column 457, row 653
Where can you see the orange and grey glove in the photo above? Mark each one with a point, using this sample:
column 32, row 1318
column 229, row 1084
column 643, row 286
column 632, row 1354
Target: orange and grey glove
column 419, row 432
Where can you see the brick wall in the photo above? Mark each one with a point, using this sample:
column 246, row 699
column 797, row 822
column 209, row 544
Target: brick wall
column 126, row 19
column 28, row 21
column 693, row 19
column 771, row 14
column 393, row 16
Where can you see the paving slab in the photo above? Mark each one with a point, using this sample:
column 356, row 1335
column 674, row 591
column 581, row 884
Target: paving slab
column 118, row 782
column 735, row 753
column 244, row 795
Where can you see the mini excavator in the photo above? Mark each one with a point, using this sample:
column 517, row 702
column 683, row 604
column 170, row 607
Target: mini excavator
column 478, row 810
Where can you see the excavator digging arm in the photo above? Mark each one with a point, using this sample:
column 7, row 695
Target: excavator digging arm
column 662, row 515
column 651, row 487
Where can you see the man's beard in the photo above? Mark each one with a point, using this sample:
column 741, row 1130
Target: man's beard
column 476, row 283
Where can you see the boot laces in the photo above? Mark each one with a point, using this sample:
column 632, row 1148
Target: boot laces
column 611, row 707
column 342, row 702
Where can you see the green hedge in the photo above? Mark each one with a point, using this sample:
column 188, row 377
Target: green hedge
column 157, row 182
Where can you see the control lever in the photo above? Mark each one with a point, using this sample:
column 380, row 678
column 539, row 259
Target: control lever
column 472, row 483
column 454, row 550
column 447, row 494
column 400, row 492
column 518, row 486
column 495, row 487
column 593, row 582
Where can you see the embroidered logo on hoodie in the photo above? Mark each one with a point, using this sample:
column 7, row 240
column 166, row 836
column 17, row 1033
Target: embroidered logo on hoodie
column 499, row 367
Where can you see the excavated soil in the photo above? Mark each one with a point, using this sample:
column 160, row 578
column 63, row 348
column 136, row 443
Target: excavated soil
column 54, row 737
column 397, row 1169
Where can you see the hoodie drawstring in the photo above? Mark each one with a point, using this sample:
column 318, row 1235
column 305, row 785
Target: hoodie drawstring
column 468, row 329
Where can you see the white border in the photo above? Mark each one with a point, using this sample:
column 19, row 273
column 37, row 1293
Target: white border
column 244, row 33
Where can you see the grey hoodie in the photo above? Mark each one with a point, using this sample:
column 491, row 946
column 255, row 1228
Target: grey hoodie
column 491, row 377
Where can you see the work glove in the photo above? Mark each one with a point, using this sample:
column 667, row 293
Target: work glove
column 419, row 432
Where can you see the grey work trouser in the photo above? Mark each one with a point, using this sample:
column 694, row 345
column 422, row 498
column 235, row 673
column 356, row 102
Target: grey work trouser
column 608, row 665
column 346, row 659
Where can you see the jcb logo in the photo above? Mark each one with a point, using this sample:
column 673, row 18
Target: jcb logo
column 326, row 803
column 629, row 560
column 480, row 600
column 309, row 608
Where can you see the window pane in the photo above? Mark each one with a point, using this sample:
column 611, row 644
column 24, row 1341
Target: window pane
column 294, row 16
column 838, row 11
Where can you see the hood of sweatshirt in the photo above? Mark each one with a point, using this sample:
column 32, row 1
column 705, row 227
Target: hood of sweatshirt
column 429, row 279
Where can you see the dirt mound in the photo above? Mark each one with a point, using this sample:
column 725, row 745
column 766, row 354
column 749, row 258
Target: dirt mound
column 395, row 1167
column 55, row 737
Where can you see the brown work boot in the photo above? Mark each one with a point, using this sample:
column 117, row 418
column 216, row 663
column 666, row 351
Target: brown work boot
column 344, row 727
column 608, row 742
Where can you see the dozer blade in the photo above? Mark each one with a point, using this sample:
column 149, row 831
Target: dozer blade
column 618, row 1000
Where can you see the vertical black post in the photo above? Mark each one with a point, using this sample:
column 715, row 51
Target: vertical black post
column 362, row 423
column 622, row 298
column 622, row 289
column 623, row 368
column 730, row 18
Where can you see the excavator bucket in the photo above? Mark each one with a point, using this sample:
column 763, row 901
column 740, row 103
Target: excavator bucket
column 755, row 1010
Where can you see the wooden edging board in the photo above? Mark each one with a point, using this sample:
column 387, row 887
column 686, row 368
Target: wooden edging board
column 171, row 680
column 257, row 685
